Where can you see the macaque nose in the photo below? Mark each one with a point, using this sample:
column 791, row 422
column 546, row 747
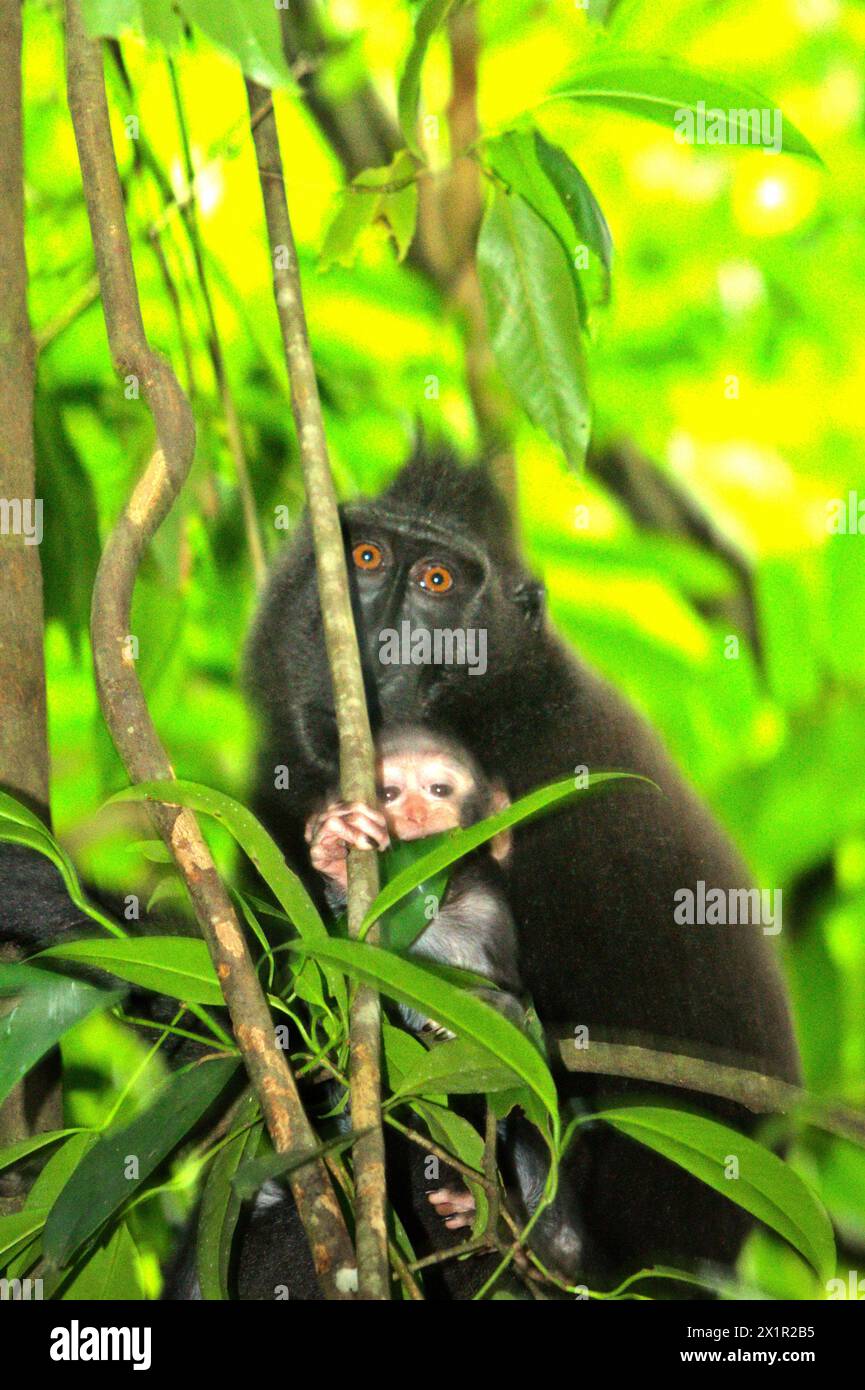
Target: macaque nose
column 415, row 810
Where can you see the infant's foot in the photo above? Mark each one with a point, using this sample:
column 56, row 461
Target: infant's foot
column 455, row 1204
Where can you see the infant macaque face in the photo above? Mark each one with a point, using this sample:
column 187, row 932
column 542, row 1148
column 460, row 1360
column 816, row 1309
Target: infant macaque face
column 420, row 791
column 421, row 794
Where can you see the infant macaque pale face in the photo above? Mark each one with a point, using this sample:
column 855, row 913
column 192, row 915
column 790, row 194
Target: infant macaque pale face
column 421, row 793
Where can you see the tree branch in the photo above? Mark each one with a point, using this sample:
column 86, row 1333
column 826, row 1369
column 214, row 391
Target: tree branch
column 357, row 770
column 23, row 736
column 34, row 1104
column 120, row 693
column 765, row 1095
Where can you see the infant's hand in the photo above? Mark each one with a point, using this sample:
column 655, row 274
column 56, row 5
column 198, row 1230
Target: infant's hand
column 339, row 828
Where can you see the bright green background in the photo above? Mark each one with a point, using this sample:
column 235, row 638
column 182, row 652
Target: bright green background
column 729, row 264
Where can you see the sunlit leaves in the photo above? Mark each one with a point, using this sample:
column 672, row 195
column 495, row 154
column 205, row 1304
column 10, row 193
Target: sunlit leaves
column 665, row 91
column 534, row 321
column 432, row 15
column 546, row 177
column 360, row 205
column 249, row 32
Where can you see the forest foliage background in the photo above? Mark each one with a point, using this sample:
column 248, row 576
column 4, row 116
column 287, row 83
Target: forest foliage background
column 729, row 355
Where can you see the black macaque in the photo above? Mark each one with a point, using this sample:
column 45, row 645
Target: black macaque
column 427, row 783
column 591, row 887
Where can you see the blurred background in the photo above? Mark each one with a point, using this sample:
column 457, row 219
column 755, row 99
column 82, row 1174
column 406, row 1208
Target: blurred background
column 711, row 559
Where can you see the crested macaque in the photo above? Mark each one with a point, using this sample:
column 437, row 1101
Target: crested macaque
column 591, row 887
column 426, row 784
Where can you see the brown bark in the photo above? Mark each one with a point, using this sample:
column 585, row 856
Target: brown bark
column 23, row 739
column 357, row 770
column 120, row 693
column 24, row 765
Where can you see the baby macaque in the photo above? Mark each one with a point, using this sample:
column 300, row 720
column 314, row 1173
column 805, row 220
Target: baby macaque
column 427, row 783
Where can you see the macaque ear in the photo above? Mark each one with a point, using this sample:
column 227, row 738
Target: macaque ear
column 500, row 845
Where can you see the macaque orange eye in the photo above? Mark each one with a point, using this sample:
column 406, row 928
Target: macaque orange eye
column 367, row 556
column 441, row 789
column 436, row 579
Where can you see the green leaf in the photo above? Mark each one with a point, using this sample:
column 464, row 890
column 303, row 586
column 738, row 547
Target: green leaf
column 250, row 32
column 156, row 20
column 360, row 204
column 767, row 1187
column 658, row 89
column 402, row 1052
column 13, row 1153
column 257, row 844
column 579, row 202
column 553, row 186
column 404, row 923
column 19, row 826
column 109, row 18
column 431, row 17
column 17, row 1228
column 152, row 850
column 534, row 320
column 463, row 1013
column 19, row 814
column 176, row 965
column 99, row 1186
column 454, row 1133
column 458, row 843
column 252, row 837
column 220, row 1204
column 161, row 22
column 456, row 1067
column 59, row 1169
column 111, row 1272
column 353, row 213
column 47, row 1005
